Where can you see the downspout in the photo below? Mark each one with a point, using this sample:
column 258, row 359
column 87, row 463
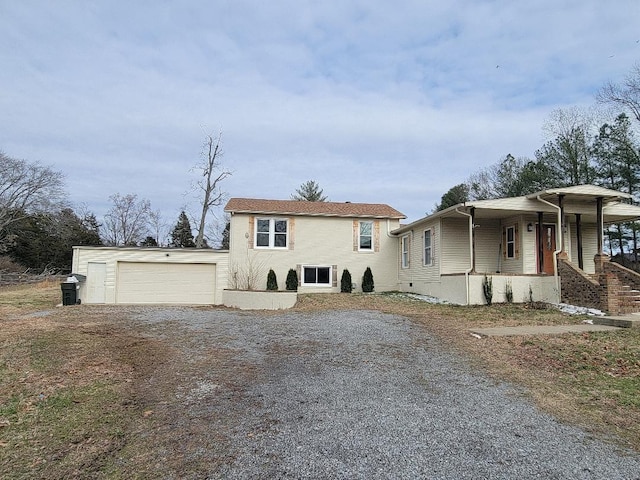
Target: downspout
column 470, row 269
column 561, row 233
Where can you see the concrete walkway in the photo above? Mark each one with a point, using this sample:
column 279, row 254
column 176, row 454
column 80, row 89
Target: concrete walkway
column 542, row 330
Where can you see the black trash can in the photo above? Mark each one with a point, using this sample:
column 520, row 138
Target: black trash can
column 69, row 295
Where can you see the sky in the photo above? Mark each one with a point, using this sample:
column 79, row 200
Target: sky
column 377, row 101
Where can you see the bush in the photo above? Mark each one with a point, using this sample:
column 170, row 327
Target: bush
column 345, row 282
column 272, row 282
column 367, row 281
column 292, row 280
column 487, row 289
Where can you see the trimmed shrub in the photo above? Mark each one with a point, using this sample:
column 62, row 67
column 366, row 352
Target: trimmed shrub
column 367, row 281
column 272, row 282
column 345, row 282
column 292, row 280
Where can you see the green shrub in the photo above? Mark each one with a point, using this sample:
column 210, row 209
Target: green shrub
column 292, row 280
column 272, row 282
column 367, row 281
column 345, row 282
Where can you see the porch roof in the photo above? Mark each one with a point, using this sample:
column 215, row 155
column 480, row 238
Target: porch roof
column 578, row 199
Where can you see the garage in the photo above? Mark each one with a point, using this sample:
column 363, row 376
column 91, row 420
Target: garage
column 168, row 283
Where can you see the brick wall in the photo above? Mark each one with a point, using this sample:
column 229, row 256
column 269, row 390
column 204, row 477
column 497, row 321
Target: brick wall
column 579, row 289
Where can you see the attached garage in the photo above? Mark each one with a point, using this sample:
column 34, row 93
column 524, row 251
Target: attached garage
column 175, row 283
column 137, row 275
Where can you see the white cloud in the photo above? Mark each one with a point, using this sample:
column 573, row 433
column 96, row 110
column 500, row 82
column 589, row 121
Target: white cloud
column 378, row 102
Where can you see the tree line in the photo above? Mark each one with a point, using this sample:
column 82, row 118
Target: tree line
column 579, row 150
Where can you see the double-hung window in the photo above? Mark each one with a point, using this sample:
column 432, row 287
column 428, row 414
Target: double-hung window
column 271, row 232
column 366, row 236
column 318, row 276
column 404, row 254
column 428, row 247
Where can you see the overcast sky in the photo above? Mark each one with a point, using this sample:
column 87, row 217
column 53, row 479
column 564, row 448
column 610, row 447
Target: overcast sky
column 378, row 101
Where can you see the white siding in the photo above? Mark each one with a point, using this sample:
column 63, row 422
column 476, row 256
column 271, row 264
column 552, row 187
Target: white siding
column 488, row 239
column 455, row 250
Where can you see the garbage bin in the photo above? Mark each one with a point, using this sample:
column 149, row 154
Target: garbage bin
column 69, row 295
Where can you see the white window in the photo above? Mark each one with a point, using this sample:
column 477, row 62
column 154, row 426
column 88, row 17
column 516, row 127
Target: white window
column 316, row 276
column 428, row 247
column 511, row 242
column 404, row 254
column 271, row 232
column 366, row 236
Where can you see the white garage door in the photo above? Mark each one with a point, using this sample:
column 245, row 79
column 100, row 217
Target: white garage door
column 185, row 283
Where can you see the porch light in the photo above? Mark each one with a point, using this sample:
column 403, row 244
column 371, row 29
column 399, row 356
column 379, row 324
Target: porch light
column 530, row 227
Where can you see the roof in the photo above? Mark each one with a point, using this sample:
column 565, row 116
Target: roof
column 578, row 199
column 314, row 209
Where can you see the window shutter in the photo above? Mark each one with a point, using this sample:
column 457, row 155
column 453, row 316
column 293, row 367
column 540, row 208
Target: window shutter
column 292, row 229
column 504, row 242
column 356, row 235
column 376, row 236
column 334, row 276
column 516, row 241
column 299, row 272
column 252, row 224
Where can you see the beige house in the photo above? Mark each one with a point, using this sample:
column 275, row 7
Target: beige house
column 544, row 247
column 319, row 240
column 520, row 243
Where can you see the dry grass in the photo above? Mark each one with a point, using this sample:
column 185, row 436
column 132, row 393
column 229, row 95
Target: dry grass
column 73, row 401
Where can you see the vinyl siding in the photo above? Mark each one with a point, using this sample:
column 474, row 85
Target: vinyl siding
column 455, row 251
column 488, row 239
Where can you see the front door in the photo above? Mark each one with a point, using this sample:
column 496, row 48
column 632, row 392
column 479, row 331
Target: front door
column 548, row 247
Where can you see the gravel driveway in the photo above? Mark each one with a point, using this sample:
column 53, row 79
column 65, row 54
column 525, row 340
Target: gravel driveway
column 347, row 394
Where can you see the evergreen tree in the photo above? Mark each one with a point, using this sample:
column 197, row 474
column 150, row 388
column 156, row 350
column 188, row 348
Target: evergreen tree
column 292, row 280
column 149, row 242
column 181, row 235
column 272, row 282
column 367, row 281
column 345, row 282
column 309, row 191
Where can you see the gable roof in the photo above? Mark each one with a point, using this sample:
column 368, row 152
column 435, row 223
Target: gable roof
column 313, row 209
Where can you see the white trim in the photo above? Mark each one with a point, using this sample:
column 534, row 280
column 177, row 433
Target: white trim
column 424, row 247
column 360, row 248
column 272, row 233
column 405, row 255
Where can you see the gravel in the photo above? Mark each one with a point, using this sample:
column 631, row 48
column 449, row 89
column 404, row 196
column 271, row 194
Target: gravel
column 357, row 394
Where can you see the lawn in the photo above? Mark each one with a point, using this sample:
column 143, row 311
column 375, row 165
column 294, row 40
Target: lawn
column 71, row 402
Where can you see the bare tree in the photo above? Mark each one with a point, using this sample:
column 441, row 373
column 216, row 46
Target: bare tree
column 127, row 222
column 209, row 184
column 26, row 188
column 626, row 94
column 158, row 227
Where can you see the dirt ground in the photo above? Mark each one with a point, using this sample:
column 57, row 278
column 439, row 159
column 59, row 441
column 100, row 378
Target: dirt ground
column 90, row 392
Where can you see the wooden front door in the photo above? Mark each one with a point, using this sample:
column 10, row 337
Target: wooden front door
column 548, row 239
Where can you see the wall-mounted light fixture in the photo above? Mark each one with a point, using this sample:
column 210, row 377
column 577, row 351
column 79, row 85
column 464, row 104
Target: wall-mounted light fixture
column 530, row 227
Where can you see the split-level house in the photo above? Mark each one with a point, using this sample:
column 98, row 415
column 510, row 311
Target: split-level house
column 546, row 246
column 318, row 240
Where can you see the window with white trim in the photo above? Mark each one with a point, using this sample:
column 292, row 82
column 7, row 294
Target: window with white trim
column 366, row 236
column 404, row 254
column 316, row 276
column 428, row 247
column 271, row 232
column 510, row 247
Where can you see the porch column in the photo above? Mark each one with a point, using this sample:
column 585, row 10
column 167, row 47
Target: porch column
column 579, row 240
column 600, row 224
column 540, row 243
column 473, row 239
